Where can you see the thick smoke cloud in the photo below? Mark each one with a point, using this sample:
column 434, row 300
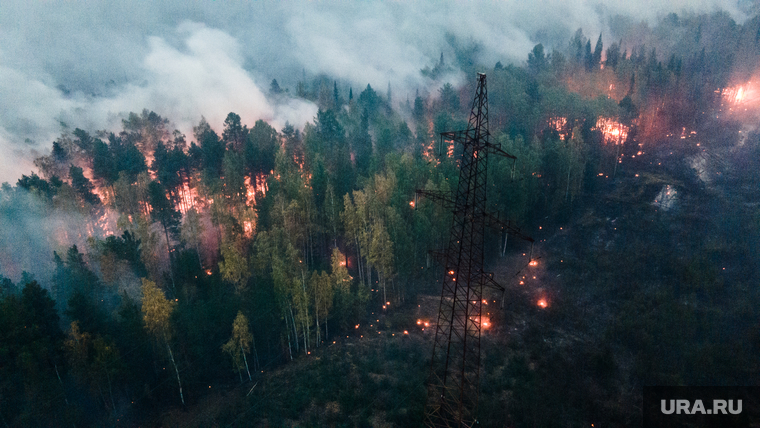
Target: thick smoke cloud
column 87, row 64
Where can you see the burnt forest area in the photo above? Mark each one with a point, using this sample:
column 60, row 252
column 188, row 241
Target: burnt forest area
column 254, row 276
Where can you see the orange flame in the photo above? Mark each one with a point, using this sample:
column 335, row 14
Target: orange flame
column 256, row 187
column 486, row 322
column 613, row 132
column 559, row 124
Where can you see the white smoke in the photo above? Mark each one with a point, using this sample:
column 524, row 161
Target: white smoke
column 89, row 64
column 203, row 76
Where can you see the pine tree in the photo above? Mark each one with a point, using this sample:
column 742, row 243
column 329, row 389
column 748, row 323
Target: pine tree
column 83, row 186
column 419, row 109
column 588, row 57
column 597, row 58
column 162, row 211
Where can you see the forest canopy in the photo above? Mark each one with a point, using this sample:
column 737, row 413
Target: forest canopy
column 142, row 268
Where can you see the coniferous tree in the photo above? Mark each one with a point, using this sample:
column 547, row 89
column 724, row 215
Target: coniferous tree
column 127, row 157
column 597, row 58
column 234, row 134
column 337, row 100
column 613, row 56
column 211, row 148
column 419, row 109
column 588, row 57
column 83, row 186
column 274, row 87
column 362, row 145
column 449, row 98
column 537, row 59
column 293, row 144
column 369, row 100
column 163, row 212
column 83, row 140
column 103, row 164
column 261, row 148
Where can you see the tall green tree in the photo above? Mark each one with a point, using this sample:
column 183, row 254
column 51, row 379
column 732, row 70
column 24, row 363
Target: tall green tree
column 597, row 57
column 83, row 187
column 157, row 311
column 191, row 232
column 261, row 148
column 361, row 143
column 211, row 149
column 146, row 129
column 163, row 212
column 321, row 286
column 537, row 59
column 449, row 99
column 234, row 134
column 234, row 267
column 239, row 344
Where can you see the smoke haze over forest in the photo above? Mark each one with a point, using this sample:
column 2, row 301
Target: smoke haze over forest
column 225, row 214
column 88, row 64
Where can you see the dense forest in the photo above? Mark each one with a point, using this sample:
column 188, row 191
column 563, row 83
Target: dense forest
column 250, row 276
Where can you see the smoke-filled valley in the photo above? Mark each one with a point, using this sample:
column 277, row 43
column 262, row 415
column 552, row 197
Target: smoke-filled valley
column 224, row 230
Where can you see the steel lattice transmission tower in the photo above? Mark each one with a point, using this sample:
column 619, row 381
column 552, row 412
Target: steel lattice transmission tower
column 453, row 385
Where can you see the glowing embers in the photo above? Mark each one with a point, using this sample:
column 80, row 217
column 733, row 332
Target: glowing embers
column 559, row 124
column 485, row 322
column 686, row 134
column 612, row 131
column 248, row 228
column 428, row 152
column 106, row 222
column 666, row 199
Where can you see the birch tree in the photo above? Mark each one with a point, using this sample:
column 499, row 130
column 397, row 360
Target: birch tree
column 322, row 290
column 234, row 268
column 157, row 311
column 239, row 344
column 191, row 232
column 381, row 255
